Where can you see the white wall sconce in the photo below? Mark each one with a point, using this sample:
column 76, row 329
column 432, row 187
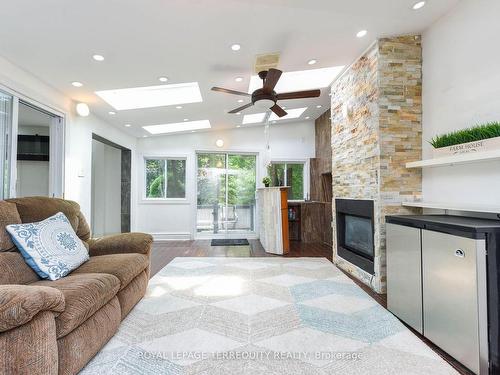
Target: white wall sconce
column 82, row 109
column 219, row 143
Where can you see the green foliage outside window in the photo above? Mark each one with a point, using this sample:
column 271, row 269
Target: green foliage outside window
column 288, row 174
column 175, row 173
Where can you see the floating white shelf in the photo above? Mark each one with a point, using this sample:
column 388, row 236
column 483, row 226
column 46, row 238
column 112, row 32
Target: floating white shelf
column 454, row 206
column 456, row 159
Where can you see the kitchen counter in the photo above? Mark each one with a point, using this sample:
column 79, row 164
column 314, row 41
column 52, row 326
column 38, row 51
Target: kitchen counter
column 469, row 226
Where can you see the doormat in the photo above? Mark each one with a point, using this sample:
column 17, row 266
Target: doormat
column 229, row 242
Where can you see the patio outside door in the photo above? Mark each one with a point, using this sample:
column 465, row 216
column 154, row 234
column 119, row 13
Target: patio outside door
column 226, row 185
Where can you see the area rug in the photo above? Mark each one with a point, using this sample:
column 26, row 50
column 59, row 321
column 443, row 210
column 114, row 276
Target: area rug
column 261, row 316
column 229, row 242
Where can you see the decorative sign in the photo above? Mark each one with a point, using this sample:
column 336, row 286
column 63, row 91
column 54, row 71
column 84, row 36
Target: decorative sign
column 464, row 148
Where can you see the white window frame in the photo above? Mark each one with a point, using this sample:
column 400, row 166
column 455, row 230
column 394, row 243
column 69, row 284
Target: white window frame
column 305, row 178
column 144, row 197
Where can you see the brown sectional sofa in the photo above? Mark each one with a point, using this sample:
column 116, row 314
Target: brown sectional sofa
column 50, row 327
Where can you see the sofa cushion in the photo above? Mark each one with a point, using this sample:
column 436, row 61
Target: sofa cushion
column 8, row 215
column 124, row 266
column 84, row 294
column 51, row 246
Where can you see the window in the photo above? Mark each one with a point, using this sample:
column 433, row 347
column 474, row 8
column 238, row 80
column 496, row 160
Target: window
column 165, row 178
column 288, row 174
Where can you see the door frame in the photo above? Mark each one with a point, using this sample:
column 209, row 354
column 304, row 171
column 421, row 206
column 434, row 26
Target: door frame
column 249, row 235
column 57, row 151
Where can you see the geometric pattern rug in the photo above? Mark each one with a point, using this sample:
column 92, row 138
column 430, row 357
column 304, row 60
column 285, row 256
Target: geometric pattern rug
column 261, row 316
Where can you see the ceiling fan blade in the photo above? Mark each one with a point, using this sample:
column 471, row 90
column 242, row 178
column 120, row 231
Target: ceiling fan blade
column 280, row 112
column 299, row 94
column 272, row 77
column 239, row 109
column 228, row 91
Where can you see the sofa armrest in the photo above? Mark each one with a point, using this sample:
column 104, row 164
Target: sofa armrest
column 121, row 243
column 20, row 303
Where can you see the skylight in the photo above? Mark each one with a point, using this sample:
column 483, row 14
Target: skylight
column 300, row 80
column 177, row 127
column 259, row 117
column 253, row 118
column 292, row 113
column 152, row 96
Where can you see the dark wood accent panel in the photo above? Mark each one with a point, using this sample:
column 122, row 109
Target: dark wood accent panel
column 317, row 222
column 322, row 163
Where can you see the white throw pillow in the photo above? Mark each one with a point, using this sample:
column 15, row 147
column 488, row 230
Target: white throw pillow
column 51, row 247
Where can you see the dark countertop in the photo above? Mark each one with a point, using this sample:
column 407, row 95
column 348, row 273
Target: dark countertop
column 447, row 223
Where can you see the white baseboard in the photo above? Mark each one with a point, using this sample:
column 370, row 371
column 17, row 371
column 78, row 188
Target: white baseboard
column 171, row 236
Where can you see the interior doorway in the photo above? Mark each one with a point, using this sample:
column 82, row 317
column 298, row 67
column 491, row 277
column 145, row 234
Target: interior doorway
column 111, row 173
column 226, row 185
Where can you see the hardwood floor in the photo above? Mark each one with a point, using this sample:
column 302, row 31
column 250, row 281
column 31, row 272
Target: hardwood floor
column 164, row 252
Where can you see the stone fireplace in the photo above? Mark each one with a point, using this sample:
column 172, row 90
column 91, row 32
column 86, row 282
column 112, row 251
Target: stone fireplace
column 376, row 113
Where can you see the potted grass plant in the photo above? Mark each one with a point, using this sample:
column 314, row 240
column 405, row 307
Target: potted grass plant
column 478, row 138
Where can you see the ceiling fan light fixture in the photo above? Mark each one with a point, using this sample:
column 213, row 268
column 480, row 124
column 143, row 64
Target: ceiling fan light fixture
column 264, row 104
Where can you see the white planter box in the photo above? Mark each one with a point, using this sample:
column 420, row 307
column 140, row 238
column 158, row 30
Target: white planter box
column 464, row 148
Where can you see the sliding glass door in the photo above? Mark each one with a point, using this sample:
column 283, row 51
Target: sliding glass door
column 6, row 104
column 226, row 185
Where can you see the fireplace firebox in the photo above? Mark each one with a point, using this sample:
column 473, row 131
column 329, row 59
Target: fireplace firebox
column 355, row 232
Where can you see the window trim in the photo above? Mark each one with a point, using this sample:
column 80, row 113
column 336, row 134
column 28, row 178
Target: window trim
column 305, row 172
column 163, row 200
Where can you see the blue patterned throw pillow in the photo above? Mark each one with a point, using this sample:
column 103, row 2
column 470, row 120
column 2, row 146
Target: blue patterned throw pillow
column 51, row 247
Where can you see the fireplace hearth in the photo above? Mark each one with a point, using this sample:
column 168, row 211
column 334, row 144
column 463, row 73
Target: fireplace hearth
column 355, row 232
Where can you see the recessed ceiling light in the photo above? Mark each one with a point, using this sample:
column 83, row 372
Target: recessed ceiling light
column 253, row 118
column 77, row 84
column 112, row 113
column 274, row 122
column 144, row 136
column 300, row 80
column 178, row 106
column 152, row 96
column 312, row 61
column 307, row 117
column 177, row 127
column 238, row 126
column 163, row 79
column 127, row 125
column 419, row 5
column 238, row 79
column 235, row 47
column 361, row 33
column 186, row 119
column 292, row 113
column 238, row 113
column 240, row 100
column 319, row 106
column 283, row 107
column 98, row 57
column 193, row 131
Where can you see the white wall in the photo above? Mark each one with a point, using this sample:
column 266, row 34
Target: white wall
column 78, row 136
column 461, row 88
column 294, row 141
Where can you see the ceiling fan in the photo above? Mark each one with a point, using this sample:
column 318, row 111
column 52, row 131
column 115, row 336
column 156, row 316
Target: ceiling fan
column 266, row 97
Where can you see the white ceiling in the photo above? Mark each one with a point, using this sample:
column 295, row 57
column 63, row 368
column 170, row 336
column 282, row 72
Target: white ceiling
column 189, row 40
